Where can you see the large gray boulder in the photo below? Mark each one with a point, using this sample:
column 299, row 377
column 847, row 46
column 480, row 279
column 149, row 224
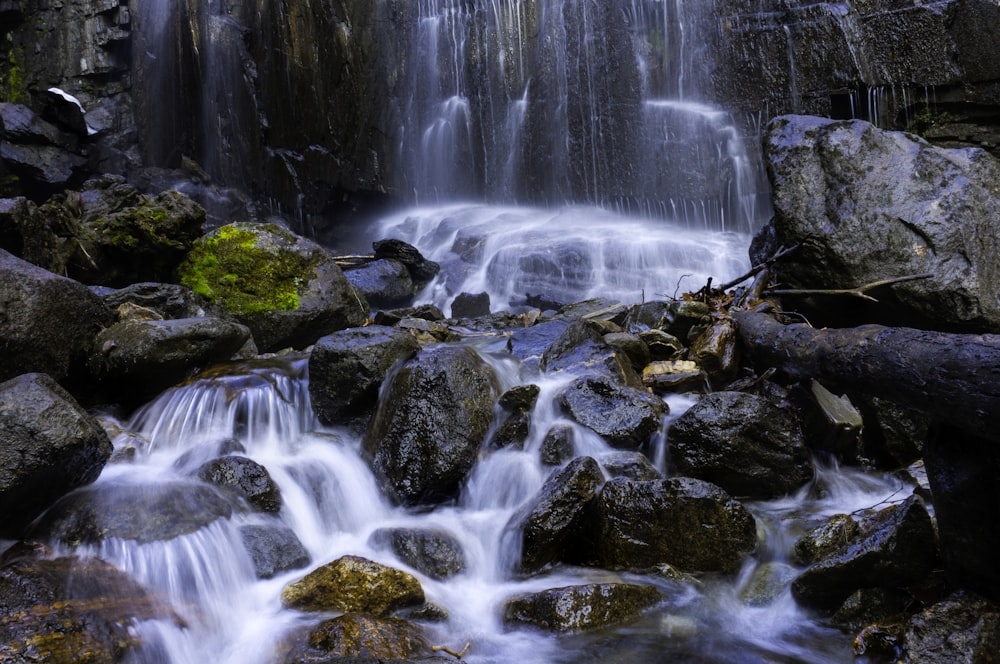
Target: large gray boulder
column 47, row 322
column 48, row 446
column 868, row 205
column 435, row 553
column 580, row 608
column 742, row 442
column 624, row 416
column 347, row 368
column 432, row 421
column 961, row 628
column 684, row 522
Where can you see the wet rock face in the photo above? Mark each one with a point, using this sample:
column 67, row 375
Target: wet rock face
column 246, row 479
column 431, row 423
column 962, row 628
column 892, row 549
column 625, row 417
column 140, row 512
column 48, row 446
column 432, row 552
column 514, row 425
column 347, row 368
column 352, row 583
column 273, row 549
column 742, row 442
column 48, row 321
column 383, row 283
column 556, row 517
column 581, row 347
column 580, row 608
column 67, row 610
column 850, row 187
column 688, row 523
column 358, row 637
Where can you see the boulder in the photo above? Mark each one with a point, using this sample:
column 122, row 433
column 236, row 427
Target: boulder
column 244, row 478
column 142, row 512
column 136, row 360
column 514, row 424
column 352, row 583
column 274, row 549
column 432, row 421
column 962, row 628
column 632, row 345
column 716, row 350
column 356, row 637
column 167, row 300
column 421, row 270
column 347, row 368
column 688, row 523
column 383, row 283
column 557, row 446
column 581, row 348
column 551, row 522
column 48, row 321
column 48, row 446
column 285, row 288
column 470, row 305
column 878, row 205
column 662, row 346
column 742, row 442
column 894, row 548
column 528, row 344
column 68, row 610
column 824, row 540
column 630, row 465
column 674, row 376
column 580, row 608
column 432, row 552
column 625, row 417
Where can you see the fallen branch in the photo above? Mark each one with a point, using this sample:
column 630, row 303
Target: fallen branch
column 456, row 655
column 781, row 253
column 860, row 291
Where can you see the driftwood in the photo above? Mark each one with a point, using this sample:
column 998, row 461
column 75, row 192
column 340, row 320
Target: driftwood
column 952, row 377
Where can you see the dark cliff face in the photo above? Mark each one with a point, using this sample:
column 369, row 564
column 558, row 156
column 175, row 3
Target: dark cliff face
column 315, row 108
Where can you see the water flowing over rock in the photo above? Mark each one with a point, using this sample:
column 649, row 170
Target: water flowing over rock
column 551, row 523
column 688, row 523
column 352, row 583
column 625, row 417
column 894, row 548
column 514, row 424
column 48, row 446
column 743, row 443
column 432, row 552
column 869, row 205
column 356, row 637
column 48, row 321
column 432, row 420
column 578, row 608
column 347, row 368
column 67, row 610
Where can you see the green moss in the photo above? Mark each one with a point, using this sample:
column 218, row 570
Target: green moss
column 12, row 86
column 234, row 269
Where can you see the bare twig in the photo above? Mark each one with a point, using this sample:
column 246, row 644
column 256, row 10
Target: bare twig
column 781, row 253
column 456, row 655
column 860, row 291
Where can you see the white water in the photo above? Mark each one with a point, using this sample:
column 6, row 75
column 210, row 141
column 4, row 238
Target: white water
column 332, row 503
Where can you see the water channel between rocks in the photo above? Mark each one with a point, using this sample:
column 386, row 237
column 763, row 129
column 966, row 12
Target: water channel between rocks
column 331, row 501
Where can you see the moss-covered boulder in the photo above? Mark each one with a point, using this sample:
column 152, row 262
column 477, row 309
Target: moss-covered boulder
column 352, row 583
column 579, row 608
column 285, row 288
column 354, row 635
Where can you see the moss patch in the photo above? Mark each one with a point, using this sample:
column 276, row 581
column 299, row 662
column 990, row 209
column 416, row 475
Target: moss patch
column 235, row 268
column 12, row 85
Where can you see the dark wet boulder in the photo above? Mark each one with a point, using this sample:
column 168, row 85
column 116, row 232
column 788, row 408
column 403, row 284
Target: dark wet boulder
column 514, row 418
column 869, row 606
column 625, row 417
column 49, row 446
column 688, row 523
column 285, row 288
column 557, row 446
column 383, row 283
column 137, row 359
column 470, row 305
column 167, row 300
column 421, row 270
column 48, row 321
column 273, row 549
column 632, row 345
column 555, row 518
column 675, row 376
column 142, row 512
column 436, row 553
column 894, row 435
column 580, row 608
column 432, row 420
column 244, row 478
column 68, row 610
column 962, row 628
column 742, row 442
column 529, row 344
column 893, row 548
column 347, row 368
column 662, row 346
column 825, row 539
column 716, row 350
column 878, row 205
column 352, row 583
column 581, row 347
column 358, row 638
column 630, row 465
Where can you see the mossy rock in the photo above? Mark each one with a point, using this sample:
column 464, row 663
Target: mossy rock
column 352, row 583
